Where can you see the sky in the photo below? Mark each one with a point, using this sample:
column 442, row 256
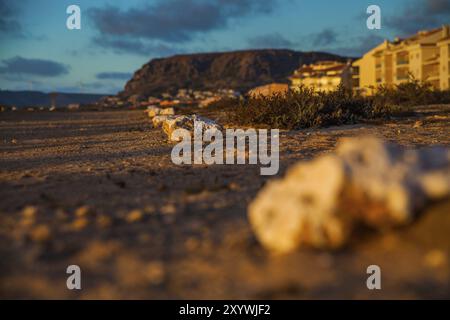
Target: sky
column 39, row 52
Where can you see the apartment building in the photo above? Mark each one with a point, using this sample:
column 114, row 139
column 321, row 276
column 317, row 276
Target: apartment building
column 322, row 76
column 424, row 56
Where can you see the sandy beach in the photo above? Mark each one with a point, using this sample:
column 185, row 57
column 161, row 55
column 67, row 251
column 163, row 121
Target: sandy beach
column 98, row 189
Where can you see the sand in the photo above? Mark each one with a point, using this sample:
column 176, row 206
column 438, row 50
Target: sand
column 98, row 189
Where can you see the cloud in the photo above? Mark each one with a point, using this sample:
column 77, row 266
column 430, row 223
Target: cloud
column 174, row 20
column 113, row 76
column 133, row 46
column 359, row 45
column 37, row 67
column 273, row 40
column 325, row 37
column 8, row 18
column 419, row 15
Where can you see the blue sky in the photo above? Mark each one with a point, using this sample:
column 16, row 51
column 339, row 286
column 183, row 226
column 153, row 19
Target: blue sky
column 38, row 52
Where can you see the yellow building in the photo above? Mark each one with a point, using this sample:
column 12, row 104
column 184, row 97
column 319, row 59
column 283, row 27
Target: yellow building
column 424, row 56
column 322, row 76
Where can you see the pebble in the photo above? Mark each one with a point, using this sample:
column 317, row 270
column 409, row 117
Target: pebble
column 83, row 211
column 155, row 272
column 79, row 224
column 40, row 233
column 168, row 209
column 104, row 221
column 134, row 216
column 435, row 258
column 29, row 212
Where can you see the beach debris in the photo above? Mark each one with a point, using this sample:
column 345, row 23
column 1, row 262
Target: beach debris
column 366, row 181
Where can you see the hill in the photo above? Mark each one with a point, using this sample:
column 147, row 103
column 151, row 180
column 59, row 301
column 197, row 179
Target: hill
column 38, row 99
column 239, row 70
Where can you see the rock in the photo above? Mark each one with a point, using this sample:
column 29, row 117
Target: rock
column 168, row 209
column 167, row 112
column 73, row 106
column 188, row 122
column 158, row 121
column 79, row 224
column 29, row 212
column 155, row 111
column 134, row 216
column 155, row 272
column 171, row 124
column 435, row 258
column 83, row 211
column 320, row 203
column 418, row 124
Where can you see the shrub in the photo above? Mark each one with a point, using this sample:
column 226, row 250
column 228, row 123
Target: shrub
column 224, row 104
column 305, row 108
column 411, row 93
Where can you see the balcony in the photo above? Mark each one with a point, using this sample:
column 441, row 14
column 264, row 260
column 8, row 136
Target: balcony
column 432, row 76
column 402, row 62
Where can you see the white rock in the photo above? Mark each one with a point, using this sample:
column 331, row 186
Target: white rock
column 319, row 203
column 167, row 112
column 158, row 121
column 153, row 111
column 188, row 122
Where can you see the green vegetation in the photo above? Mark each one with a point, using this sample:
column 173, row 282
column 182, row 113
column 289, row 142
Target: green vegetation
column 305, row 108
